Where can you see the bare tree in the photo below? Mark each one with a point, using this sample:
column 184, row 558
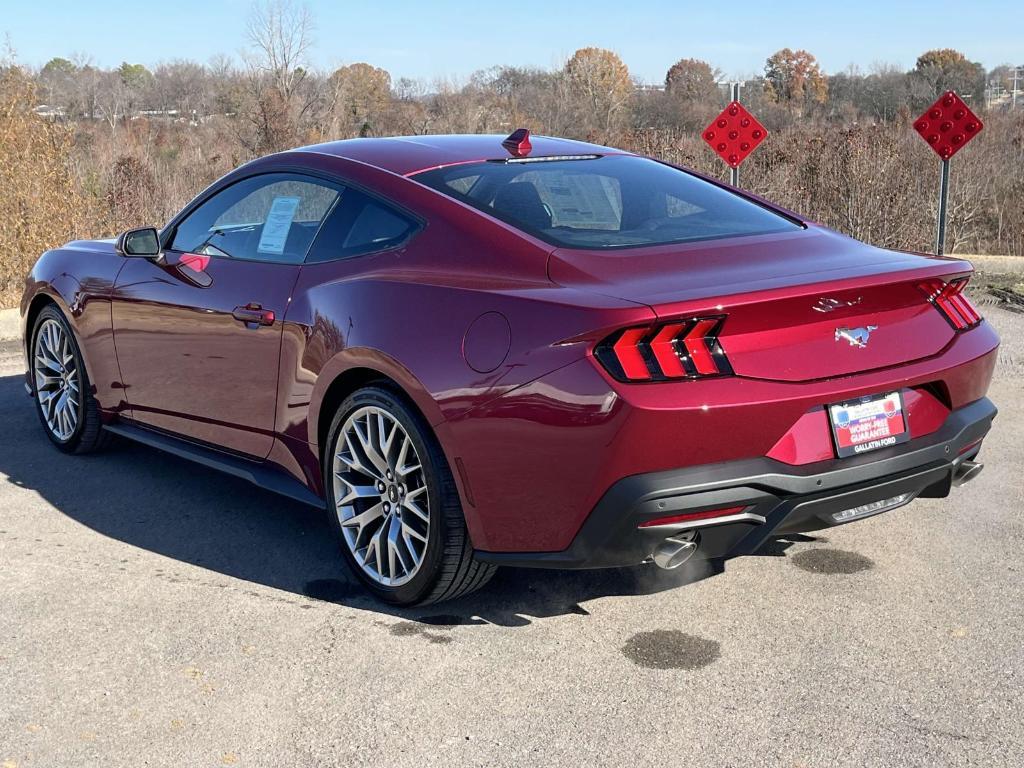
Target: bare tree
column 183, row 86
column 112, row 99
column 88, row 83
column 280, row 34
column 280, row 93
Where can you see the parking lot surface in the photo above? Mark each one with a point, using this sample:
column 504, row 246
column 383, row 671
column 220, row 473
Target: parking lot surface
column 155, row 613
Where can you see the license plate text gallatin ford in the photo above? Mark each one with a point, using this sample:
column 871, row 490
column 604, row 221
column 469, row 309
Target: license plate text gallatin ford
column 868, row 424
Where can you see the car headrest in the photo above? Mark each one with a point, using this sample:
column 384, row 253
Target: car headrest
column 521, row 201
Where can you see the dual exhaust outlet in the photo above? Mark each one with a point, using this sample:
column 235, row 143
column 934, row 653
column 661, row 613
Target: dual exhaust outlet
column 966, row 471
column 676, row 550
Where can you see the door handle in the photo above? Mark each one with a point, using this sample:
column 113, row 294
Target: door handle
column 254, row 313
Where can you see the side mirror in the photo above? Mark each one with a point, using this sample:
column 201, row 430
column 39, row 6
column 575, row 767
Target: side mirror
column 144, row 242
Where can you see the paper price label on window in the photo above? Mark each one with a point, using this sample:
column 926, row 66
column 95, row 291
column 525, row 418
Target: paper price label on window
column 277, row 225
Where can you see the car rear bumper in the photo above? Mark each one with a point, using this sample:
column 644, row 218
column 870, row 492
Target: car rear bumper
column 773, row 498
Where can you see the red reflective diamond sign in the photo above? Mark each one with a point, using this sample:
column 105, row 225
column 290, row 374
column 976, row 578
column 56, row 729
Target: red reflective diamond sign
column 948, row 124
column 734, row 134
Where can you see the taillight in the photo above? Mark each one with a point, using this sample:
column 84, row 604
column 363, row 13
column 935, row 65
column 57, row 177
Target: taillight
column 950, row 300
column 680, row 349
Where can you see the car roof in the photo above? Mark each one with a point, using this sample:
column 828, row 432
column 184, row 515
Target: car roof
column 406, row 155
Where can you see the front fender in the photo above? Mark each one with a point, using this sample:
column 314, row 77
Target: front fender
column 59, row 288
column 79, row 279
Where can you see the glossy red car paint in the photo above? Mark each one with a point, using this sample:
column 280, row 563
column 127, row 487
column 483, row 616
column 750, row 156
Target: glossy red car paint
column 490, row 332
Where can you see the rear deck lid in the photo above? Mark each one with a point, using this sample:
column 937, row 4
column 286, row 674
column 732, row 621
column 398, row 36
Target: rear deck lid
column 798, row 306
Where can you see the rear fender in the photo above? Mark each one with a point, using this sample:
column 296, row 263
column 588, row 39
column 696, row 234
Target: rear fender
column 353, row 358
column 385, row 365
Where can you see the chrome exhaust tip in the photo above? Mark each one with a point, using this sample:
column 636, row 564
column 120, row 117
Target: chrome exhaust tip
column 675, row 550
column 967, row 471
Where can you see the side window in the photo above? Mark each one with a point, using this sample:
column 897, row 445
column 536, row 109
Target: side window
column 359, row 224
column 272, row 217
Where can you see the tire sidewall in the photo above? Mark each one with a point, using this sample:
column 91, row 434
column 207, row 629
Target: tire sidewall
column 423, row 582
column 52, row 313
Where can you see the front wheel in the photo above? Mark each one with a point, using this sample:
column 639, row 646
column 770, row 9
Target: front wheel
column 64, row 402
column 393, row 502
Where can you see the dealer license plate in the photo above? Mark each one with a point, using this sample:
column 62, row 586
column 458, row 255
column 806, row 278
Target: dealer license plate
column 868, row 423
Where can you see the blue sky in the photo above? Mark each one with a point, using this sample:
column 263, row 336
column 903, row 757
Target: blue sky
column 439, row 38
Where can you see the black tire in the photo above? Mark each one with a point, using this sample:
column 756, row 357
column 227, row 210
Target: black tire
column 88, row 435
column 448, row 569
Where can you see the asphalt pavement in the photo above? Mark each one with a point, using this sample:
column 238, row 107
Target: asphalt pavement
column 155, row 613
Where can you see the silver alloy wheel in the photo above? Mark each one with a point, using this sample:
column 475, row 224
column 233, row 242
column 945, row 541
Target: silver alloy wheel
column 381, row 496
column 58, row 382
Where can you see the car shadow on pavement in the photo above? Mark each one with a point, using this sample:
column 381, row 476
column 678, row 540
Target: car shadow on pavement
column 163, row 504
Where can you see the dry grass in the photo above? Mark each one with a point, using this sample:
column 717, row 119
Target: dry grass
column 42, row 202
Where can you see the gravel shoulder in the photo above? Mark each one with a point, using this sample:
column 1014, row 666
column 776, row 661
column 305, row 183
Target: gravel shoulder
column 10, row 325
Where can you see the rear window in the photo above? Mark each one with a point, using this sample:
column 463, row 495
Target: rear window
column 616, row 201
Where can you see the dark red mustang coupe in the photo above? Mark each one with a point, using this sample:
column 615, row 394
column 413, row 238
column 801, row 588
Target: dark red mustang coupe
column 530, row 351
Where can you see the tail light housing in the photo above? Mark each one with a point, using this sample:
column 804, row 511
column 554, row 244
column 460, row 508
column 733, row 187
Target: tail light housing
column 950, row 299
column 678, row 349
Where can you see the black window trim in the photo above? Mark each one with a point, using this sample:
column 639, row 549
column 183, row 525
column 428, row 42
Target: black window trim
column 417, row 222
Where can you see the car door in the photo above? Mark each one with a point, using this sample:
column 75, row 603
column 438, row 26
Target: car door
column 198, row 330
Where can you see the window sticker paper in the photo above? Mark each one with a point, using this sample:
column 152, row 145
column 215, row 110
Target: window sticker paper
column 277, row 225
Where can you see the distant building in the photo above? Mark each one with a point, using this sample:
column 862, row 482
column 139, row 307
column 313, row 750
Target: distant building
column 45, row 110
column 170, row 113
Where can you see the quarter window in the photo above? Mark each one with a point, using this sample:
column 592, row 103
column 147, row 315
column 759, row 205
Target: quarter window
column 359, row 224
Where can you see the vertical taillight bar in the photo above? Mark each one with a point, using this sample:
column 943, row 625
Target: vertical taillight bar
column 627, row 351
column 666, row 355
column 679, row 349
column 951, row 301
column 696, row 345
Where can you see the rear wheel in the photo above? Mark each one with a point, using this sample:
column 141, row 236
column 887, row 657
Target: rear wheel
column 394, row 504
column 67, row 410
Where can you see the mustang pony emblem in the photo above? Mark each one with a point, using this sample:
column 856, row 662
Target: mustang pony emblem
column 858, row 337
column 827, row 305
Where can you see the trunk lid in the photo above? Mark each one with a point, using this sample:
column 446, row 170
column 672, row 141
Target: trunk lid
column 799, row 306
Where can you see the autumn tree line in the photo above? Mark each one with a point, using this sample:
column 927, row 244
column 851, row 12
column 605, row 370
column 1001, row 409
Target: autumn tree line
column 87, row 151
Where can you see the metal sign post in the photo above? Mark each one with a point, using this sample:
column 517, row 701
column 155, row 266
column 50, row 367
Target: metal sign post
column 734, row 134
column 734, row 171
column 947, row 126
column 940, row 233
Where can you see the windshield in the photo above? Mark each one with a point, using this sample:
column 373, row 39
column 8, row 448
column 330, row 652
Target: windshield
column 605, row 202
